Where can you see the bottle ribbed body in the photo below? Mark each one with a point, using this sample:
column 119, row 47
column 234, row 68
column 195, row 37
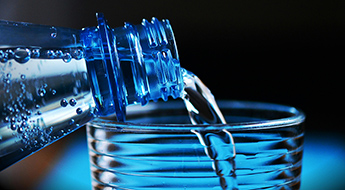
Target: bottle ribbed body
column 54, row 79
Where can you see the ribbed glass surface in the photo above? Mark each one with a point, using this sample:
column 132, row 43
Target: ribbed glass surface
column 148, row 154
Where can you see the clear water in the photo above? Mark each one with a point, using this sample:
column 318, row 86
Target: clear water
column 31, row 85
column 219, row 147
column 200, row 102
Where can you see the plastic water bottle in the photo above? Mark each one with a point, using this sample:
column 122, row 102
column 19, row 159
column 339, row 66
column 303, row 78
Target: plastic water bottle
column 53, row 79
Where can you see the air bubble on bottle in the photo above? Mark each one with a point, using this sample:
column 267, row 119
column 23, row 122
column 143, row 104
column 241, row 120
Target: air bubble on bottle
column 13, row 127
column 4, row 59
column 20, row 130
column 54, row 32
column 10, row 109
column 35, row 53
column 9, row 54
column 41, row 92
column 22, row 55
column 73, row 102
column 77, row 54
column 24, row 124
column 79, row 111
column 58, row 53
column 24, row 117
column 64, row 102
column 7, row 81
column 7, row 119
column 50, row 54
column 66, row 57
column 2, row 54
column 16, row 111
column 13, row 119
column 71, row 122
column 28, row 112
column 53, row 92
column 25, row 135
column 39, row 113
column 22, row 76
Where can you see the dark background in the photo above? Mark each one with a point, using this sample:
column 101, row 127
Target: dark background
column 287, row 52
column 273, row 51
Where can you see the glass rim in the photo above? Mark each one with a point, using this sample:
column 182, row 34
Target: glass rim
column 297, row 117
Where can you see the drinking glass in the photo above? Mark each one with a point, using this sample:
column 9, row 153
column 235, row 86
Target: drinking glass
column 157, row 148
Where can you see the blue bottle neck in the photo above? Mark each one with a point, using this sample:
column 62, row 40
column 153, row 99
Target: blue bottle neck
column 131, row 64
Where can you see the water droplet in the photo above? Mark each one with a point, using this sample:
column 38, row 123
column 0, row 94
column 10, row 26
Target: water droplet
column 22, row 55
column 79, row 111
column 72, row 102
column 16, row 110
column 3, row 60
column 9, row 54
column 77, row 54
column 35, row 53
column 7, row 119
column 71, row 122
column 13, row 119
column 53, row 34
column 7, row 81
column 13, row 127
column 37, row 106
column 53, row 92
column 50, row 54
column 28, row 112
column 25, row 136
column 41, row 92
column 2, row 54
column 22, row 77
column 24, row 124
column 66, row 57
column 58, row 53
column 24, row 117
column 64, row 102
column 20, row 130
column 8, row 75
column 39, row 113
